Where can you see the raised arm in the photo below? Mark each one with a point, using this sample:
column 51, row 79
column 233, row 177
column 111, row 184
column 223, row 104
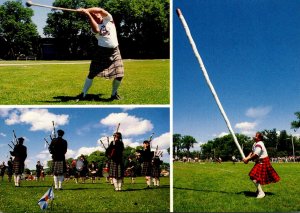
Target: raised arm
column 103, row 12
column 93, row 16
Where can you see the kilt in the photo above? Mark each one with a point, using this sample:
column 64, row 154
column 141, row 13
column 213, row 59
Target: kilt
column 58, row 167
column 116, row 170
column 147, row 168
column 156, row 172
column 106, row 63
column 18, row 167
column 263, row 172
column 132, row 172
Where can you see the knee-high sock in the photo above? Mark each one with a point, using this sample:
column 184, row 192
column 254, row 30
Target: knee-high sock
column 115, row 181
column 148, row 180
column 60, row 180
column 15, row 179
column 258, row 186
column 115, row 86
column 120, row 181
column 55, row 178
column 88, row 83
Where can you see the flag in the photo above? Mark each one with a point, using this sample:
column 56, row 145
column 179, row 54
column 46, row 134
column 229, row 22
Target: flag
column 47, row 197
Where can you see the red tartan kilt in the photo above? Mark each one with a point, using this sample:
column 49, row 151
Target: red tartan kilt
column 264, row 173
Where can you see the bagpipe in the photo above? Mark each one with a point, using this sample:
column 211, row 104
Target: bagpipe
column 52, row 136
column 110, row 152
column 14, row 142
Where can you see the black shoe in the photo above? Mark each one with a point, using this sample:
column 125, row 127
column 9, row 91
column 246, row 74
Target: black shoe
column 115, row 97
column 80, row 97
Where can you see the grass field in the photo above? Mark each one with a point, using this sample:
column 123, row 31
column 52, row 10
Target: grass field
column 88, row 197
column 226, row 187
column 59, row 82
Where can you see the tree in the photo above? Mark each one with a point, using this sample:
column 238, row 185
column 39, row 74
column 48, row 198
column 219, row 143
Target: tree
column 188, row 142
column 142, row 26
column 225, row 147
column 17, row 32
column 296, row 124
column 71, row 31
column 176, row 143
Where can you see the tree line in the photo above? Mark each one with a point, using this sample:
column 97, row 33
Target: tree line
column 142, row 27
column 278, row 144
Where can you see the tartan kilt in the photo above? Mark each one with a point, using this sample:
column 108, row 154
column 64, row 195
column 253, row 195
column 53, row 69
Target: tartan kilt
column 156, row 172
column 147, row 168
column 132, row 173
column 116, row 170
column 58, row 167
column 106, row 63
column 18, row 167
column 263, row 172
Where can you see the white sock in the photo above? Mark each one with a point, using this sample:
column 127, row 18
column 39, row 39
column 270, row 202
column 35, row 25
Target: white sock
column 16, row 180
column 115, row 181
column 115, row 86
column 258, row 186
column 148, row 181
column 120, row 181
column 154, row 181
column 88, row 83
column 55, row 178
column 60, row 180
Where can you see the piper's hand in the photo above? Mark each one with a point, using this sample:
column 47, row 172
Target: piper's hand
column 245, row 160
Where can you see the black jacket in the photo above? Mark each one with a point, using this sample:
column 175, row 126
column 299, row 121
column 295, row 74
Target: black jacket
column 58, row 148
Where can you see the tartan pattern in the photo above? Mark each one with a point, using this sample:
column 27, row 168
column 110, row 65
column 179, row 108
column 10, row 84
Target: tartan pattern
column 263, row 172
column 131, row 172
column 106, row 63
column 18, row 167
column 58, row 167
column 116, row 170
column 146, row 168
column 156, row 171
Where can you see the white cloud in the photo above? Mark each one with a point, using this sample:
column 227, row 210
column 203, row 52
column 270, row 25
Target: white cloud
column 129, row 125
column 4, row 112
column 222, row 134
column 39, row 119
column 128, row 108
column 246, row 128
column 258, row 112
column 87, row 151
column 2, row 134
column 163, row 141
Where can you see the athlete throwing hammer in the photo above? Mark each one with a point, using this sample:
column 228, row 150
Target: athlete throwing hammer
column 107, row 61
column 262, row 173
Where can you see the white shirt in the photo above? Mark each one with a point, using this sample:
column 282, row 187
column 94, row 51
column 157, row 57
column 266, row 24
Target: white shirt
column 260, row 149
column 107, row 37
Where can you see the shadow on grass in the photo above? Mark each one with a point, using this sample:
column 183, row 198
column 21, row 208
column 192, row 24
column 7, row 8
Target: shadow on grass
column 88, row 97
column 146, row 189
column 246, row 193
column 253, row 194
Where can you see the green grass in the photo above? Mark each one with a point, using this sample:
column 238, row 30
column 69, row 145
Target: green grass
column 88, row 197
column 225, row 187
column 48, row 82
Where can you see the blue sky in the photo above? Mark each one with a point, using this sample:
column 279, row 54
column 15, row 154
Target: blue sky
column 251, row 50
column 83, row 128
